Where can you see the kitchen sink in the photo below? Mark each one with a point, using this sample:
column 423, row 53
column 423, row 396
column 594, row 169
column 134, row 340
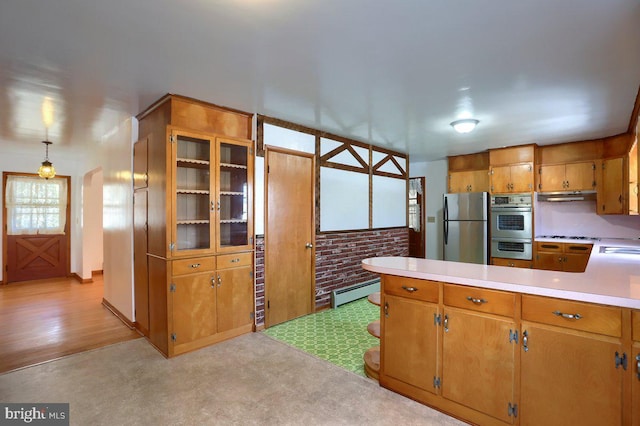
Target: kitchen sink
column 620, row 250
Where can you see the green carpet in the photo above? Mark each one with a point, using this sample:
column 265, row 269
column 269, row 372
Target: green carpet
column 338, row 335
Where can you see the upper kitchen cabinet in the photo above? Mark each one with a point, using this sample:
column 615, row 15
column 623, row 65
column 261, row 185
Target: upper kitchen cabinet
column 615, row 190
column 469, row 173
column 567, row 177
column 511, row 169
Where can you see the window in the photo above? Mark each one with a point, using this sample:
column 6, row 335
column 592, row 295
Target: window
column 35, row 205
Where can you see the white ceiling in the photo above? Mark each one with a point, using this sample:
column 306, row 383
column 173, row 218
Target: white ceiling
column 391, row 73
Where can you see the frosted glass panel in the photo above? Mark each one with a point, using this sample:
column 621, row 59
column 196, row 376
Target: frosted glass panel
column 389, row 202
column 327, row 145
column 290, row 139
column 344, row 200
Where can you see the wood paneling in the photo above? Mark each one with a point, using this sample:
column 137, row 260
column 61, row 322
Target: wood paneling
column 512, row 155
column 45, row 320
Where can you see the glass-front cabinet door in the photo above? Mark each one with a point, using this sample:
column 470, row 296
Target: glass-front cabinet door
column 192, row 213
column 234, row 203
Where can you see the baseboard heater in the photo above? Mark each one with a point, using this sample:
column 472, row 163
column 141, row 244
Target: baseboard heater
column 354, row 292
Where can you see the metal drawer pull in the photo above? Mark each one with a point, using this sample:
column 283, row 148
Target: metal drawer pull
column 476, row 300
column 409, row 289
column 235, row 260
column 195, row 265
column 567, row 316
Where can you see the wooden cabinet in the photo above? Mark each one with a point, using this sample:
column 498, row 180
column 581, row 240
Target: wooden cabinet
column 567, row 177
column 514, row 263
column 511, row 169
column 611, row 191
column 197, row 223
column 567, row 257
column 469, row 181
column 571, row 370
column 483, row 380
column 409, row 353
column 496, row 357
column 207, row 302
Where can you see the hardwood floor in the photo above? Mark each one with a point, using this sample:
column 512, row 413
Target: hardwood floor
column 47, row 319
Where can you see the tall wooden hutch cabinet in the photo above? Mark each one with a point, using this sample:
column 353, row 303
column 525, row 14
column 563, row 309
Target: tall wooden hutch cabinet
column 193, row 224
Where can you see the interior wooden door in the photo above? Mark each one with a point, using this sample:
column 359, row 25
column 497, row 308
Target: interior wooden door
column 36, row 256
column 289, row 235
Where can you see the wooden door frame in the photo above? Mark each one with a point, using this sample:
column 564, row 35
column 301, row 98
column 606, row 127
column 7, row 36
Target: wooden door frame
column 5, row 248
column 267, row 150
column 422, row 204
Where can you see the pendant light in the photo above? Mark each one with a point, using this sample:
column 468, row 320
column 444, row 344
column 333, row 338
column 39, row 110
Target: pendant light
column 46, row 170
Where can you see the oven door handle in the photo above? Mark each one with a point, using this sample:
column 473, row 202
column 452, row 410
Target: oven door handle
column 510, row 209
column 513, row 240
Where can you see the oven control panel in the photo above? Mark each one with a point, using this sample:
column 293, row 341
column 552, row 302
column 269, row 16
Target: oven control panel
column 511, row 200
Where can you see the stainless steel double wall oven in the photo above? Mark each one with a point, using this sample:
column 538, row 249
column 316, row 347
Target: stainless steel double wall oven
column 512, row 226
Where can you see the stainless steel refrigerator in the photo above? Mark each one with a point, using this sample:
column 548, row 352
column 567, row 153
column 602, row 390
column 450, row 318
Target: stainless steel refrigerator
column 466, row 232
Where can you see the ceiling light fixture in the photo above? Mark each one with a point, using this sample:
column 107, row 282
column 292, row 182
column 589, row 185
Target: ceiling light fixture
column 46, row 170
column 465, row 125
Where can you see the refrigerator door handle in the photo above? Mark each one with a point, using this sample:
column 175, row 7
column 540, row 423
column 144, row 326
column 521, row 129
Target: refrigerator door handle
column 446, row 221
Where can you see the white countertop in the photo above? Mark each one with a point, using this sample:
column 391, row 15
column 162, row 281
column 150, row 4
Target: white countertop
column 610, row 279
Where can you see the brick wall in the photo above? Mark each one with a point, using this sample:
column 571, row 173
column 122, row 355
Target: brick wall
column 338, row 261
column 339, row 256
column 260, row 280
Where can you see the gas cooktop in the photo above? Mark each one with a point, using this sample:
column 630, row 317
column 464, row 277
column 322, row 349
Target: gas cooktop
column 569, row 237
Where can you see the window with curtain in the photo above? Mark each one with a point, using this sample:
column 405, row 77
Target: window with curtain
column 35, row 205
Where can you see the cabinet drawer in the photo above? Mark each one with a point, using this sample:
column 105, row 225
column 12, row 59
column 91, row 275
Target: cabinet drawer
column 412, row 288
column 234, row 260
column 480, row 299
column 577, row 248
column 635, row 318
column 545, row 246
column 196, row 264
column 576, row 315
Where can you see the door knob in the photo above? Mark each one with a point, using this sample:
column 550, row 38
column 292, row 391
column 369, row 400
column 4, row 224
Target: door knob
column 309, row 245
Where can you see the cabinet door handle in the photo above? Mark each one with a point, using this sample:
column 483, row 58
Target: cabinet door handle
column 560, row 259
column 308, row 245
column 213, row 207
column 567, row 316
column 218, row 205
column 195, row 265
column 638, row 366
column 525, row 341
column 409, row 289
column 446, row 323
column 213, row 282
column 476, row 300
column 386, row 309
column 219, row 280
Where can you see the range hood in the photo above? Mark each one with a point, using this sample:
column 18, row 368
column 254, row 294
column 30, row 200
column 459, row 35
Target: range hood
column 567, row 196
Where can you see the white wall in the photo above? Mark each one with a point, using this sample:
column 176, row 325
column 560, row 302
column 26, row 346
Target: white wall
column 92, row 242
column 16, row 157
column 579, row 218
column 435, row 173
column 114, row 155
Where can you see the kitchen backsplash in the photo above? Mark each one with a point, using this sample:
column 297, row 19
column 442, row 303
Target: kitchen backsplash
column 579, row 218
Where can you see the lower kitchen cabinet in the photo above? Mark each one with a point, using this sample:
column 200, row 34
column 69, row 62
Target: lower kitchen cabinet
column 409, row 350
column 494, row 357
column 569, row 378
column 409, row 353
column 193, row 302
column 478, row 362
column 235, row 298
column 567, row 257
column 572, row 363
